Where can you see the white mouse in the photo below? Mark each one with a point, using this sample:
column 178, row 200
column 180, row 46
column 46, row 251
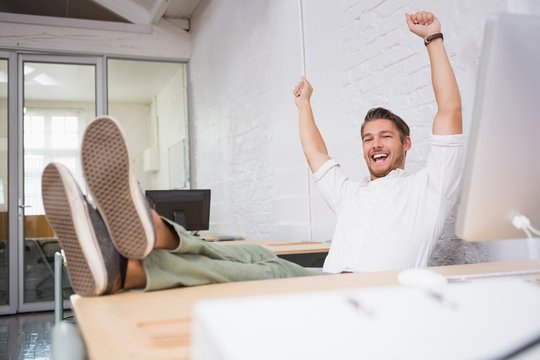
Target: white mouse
column 421, row 278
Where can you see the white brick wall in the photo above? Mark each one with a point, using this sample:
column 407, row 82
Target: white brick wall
column 359, row 53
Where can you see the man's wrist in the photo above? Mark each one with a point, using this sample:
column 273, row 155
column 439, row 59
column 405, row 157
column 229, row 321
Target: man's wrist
column 432, row 37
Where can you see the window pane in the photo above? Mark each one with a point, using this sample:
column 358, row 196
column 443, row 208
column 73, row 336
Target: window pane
column 34, row 132
column 4, row 245
column 64, row 132
column 59, row 100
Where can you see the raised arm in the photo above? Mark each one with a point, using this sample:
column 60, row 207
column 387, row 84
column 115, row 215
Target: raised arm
column 448, row 119
column 310, row 137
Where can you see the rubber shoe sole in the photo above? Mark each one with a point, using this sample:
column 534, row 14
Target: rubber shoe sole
column 108, row 172
column 68, row 215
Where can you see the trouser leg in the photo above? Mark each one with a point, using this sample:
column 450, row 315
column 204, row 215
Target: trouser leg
column 196, row 262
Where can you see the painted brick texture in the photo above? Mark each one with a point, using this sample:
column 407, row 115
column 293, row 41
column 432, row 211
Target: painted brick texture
column 246, row 58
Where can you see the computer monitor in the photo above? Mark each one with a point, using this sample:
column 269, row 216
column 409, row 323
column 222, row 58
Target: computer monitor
column 189, row 208
column 502, row 169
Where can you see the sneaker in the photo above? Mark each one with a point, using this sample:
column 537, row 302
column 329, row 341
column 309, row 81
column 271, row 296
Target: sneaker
column 108, row 172
column 93, row 264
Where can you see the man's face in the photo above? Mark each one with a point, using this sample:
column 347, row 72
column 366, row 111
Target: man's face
column 383, row 149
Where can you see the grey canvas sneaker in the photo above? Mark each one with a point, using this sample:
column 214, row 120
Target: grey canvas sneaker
column 108, row 172
column 93, row 264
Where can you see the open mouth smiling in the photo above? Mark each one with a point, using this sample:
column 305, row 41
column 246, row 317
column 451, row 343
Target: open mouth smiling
column 379, row 158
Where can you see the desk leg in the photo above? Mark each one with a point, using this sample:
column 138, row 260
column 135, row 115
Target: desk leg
column 66, row 342
column 58, row 293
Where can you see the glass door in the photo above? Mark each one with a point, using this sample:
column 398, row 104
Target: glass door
column 46, row 101
column 59, row 97
column 4, row 219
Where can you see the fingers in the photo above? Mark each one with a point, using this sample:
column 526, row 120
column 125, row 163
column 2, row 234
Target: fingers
column 410, row 21
column 301, row 86
column 297, row 91
column 421, row 18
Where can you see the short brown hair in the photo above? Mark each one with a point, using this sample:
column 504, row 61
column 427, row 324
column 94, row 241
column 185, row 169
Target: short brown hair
column 382, row 113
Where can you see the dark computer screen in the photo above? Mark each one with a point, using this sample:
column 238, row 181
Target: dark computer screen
column 189, row 208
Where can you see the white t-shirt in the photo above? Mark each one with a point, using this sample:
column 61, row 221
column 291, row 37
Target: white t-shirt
column 391, row 223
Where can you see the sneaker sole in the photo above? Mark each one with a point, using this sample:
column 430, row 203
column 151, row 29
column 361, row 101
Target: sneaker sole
column 109, row 176
column 68, row 215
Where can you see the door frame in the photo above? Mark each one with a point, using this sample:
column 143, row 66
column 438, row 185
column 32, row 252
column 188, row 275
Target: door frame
column 15, row 190
column 11, row 306
column 17, row 207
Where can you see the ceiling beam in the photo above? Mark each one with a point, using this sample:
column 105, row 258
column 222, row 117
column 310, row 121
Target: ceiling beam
column 74, row 23
column 163, row 41
column 129, row 10
column 181, row 23
column 158, row 10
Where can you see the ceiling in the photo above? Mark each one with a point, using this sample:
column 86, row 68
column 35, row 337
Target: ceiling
column 49, row 82
column 127, row 11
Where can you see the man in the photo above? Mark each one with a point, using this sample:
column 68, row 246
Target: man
column 391, row 219
column 126, row 245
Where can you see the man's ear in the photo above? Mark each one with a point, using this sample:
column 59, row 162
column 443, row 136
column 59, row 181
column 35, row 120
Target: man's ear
column 407, row 143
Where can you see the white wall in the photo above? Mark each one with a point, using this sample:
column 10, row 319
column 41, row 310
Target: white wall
column 245, row 61
column 245, row 137
column 171, row 110
column 135, row 119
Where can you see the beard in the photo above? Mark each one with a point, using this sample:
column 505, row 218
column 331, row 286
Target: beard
column 397, row 163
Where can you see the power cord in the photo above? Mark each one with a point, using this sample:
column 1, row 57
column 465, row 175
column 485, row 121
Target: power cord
column 522, row 222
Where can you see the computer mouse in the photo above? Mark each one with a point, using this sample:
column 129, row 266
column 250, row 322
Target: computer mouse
column 421, row 278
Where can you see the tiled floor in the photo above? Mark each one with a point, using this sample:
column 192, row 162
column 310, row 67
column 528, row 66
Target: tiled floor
column 26, row 336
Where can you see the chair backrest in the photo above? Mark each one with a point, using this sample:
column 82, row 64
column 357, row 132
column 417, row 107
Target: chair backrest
column 3, row 225
column 37, row 226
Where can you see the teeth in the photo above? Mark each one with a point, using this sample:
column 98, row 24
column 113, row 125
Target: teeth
column 378, row 156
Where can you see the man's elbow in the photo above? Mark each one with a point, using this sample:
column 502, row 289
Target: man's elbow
column 448, row 121
column 316, row 160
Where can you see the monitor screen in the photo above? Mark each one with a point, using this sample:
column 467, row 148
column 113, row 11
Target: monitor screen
column 189, row 208
column 502, row 169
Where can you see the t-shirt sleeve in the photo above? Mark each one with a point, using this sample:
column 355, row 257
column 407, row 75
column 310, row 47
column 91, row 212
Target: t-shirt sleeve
column 445, row 164
column 332, row 183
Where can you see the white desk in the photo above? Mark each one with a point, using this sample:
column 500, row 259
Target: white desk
column 157, row 325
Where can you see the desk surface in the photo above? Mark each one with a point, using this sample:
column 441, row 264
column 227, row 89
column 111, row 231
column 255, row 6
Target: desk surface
column 286, row 247
column 156, row 325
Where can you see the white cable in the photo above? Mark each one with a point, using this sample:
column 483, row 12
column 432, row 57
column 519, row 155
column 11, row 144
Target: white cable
column 531, row 246
column 303, row 69
column 302, row 40
column 523, row 223
column 534, row 230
